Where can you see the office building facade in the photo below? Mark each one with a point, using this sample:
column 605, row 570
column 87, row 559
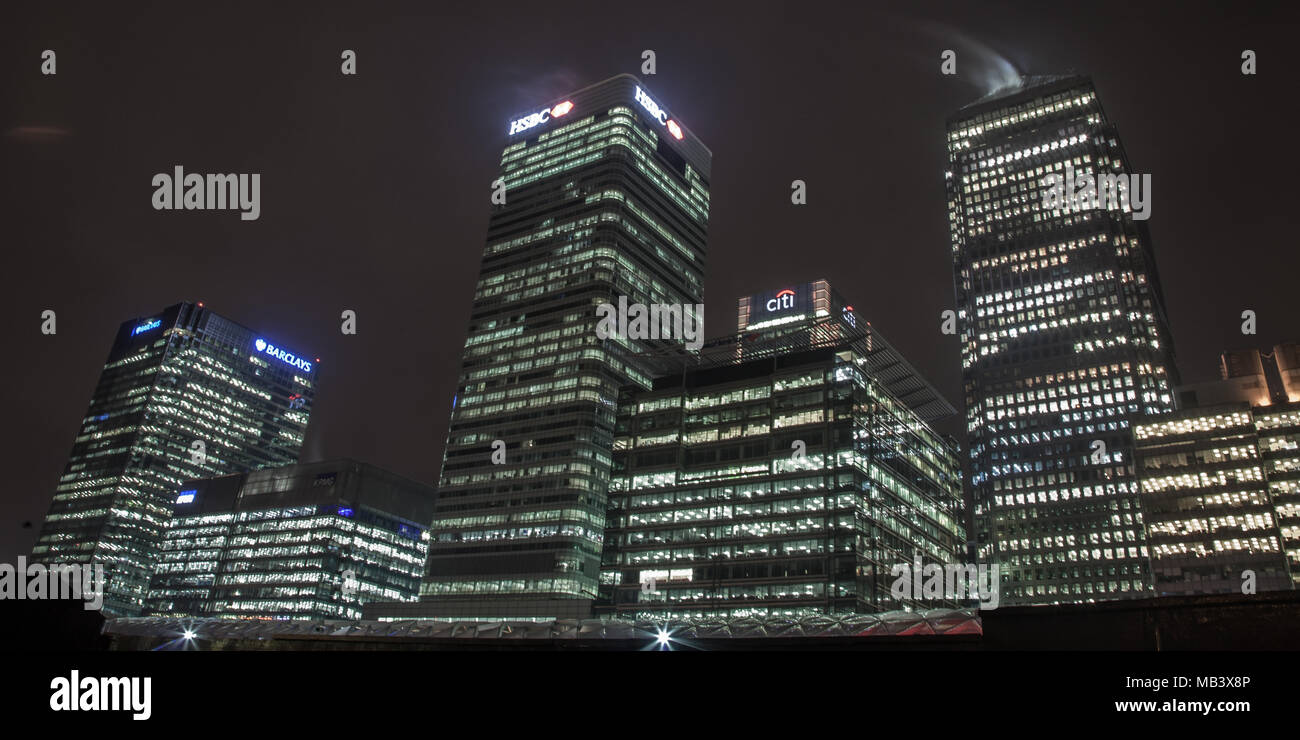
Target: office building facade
column 185, row 393
column 1064, row 341
column 1279, row 442
column 814, row 314
column 780, row 474
column 1266, row 384
column 606, row 196
column 307, row 541
column 1212, row 524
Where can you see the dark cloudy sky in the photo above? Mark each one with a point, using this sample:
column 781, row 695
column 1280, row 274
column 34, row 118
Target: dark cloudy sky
column 375, row 188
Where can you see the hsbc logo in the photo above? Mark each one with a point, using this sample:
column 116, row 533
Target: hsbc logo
column 783, row 300
column 659, row 114
column 540, row 117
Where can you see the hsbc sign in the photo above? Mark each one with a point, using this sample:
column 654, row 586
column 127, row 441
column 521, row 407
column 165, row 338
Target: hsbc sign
column 540, row 117
column 659, row 114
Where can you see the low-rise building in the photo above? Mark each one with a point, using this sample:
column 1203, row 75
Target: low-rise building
column 307, row 541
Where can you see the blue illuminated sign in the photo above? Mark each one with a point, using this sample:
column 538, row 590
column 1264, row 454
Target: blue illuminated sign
column 186, row 496
column 146, row 326
column 345, row 511
column 266, row 347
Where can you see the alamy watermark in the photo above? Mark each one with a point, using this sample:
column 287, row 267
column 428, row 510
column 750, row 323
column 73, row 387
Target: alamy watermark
column 1085, row 192
column 78, row 693
column 37, row 581
column 953, row 581
column 180, row 191
column 656, row 321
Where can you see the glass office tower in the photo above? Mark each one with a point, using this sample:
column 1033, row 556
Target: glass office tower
column 1064, row 341
column 185, row 394
column 606, row 195
column 784, row 473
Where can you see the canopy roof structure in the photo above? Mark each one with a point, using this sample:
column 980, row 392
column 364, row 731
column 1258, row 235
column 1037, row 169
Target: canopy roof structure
column 931, row 622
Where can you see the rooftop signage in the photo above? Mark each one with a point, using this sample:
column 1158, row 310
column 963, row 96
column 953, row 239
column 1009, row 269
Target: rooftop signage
column 265, row 347
column 149, row 325
column 782, row 301
column 658, row 113
column 542, row 116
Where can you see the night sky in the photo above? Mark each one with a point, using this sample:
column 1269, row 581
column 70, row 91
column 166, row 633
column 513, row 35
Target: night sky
column 375, row 188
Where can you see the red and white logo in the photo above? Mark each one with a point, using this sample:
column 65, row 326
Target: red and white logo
column 783, row 300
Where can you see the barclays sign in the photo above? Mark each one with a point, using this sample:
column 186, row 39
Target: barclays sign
column 265, row 347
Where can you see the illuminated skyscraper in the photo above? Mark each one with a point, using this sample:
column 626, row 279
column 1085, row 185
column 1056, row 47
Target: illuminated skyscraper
column 185, row 394
column 1064, row 341
column 606, row 196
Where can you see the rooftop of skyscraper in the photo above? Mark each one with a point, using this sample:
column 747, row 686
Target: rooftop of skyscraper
column 1026, row 84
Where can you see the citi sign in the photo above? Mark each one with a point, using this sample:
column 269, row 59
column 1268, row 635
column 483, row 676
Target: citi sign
column 266, row 347
column 540, row 117
column 782, row 301
column 659, row 114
